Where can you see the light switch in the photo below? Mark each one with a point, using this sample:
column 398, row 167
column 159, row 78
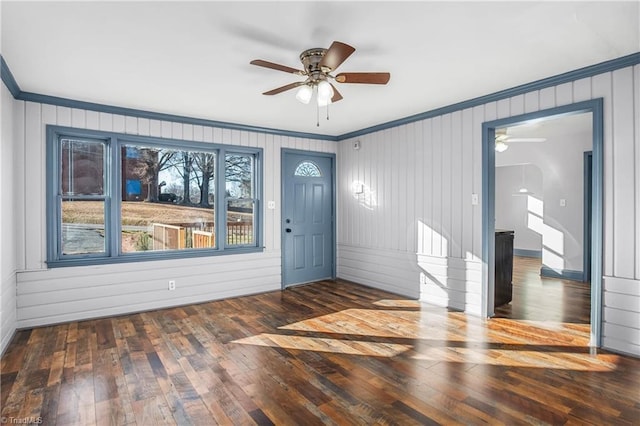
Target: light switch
column 563, row 202
column 474, row 199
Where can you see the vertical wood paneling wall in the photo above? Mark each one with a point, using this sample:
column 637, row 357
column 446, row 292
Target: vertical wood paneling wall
column 413, row 229
column 8, row 235
column 62, row 294
column 405, row 218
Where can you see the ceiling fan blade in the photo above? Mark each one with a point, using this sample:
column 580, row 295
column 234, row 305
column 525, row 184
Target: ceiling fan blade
column 284, row 88
column 273, row 66
column 518, row 139
column 336, row 95
column 336, row 54
column 363, row 77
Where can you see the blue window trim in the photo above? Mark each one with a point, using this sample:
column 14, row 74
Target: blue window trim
column 114, row 195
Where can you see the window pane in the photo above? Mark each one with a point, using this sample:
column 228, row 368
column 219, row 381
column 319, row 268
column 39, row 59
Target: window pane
column 83, row 229
column 82, row 167
column 239, row 187
column 239, row 175
column 240, row 219
column 167, row 199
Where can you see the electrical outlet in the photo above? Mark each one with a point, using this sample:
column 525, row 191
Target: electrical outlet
column 172, row 285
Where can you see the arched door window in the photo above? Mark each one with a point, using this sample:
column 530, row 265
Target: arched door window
column 307, row 169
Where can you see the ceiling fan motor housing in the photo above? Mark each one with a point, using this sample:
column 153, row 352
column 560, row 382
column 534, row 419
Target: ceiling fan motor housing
column 310, row 59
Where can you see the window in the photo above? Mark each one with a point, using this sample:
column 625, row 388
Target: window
column 240, row 199
column 82, row 196
column 118, row 198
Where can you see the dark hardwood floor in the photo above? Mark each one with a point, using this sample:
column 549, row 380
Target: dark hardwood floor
column 545, row 299
column 326, row 353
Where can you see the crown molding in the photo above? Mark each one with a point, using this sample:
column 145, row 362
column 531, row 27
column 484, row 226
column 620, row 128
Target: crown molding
column 589, row 71
column 72, row 103
column 12, row 85
column 7, row 78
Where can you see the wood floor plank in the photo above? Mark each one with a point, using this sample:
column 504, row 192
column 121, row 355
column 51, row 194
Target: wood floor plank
column 331, row 352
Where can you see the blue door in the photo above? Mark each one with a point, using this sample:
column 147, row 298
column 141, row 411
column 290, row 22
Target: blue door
column 307, row 217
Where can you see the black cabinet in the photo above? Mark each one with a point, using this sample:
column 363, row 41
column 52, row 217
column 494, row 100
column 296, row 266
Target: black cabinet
column 504, row 267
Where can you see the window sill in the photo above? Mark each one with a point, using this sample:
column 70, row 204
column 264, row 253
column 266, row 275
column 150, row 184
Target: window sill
column 150, row 257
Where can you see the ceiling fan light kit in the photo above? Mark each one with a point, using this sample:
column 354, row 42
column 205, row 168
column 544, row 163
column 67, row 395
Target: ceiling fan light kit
column 501, row 146
column 318, row 63
column 325, row 93
column 304, row 94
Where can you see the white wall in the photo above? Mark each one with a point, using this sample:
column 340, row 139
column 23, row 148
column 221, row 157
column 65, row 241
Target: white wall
column 8, row 134
column 47, row 296
column 512, row 211
column 554, row 172
column 414, row 230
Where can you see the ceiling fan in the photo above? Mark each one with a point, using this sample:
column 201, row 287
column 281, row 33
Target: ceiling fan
column 318, row 64
column 502, row 138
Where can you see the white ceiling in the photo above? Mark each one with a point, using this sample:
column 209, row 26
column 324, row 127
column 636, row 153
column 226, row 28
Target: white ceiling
column 553, row 126
column 192, row 59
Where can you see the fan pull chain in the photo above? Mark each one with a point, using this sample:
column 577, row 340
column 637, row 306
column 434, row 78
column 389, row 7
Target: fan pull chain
column 327, row 112
column 315, row 89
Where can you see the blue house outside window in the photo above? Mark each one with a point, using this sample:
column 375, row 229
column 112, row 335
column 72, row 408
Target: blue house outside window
column 132, row 152
column 134, row 187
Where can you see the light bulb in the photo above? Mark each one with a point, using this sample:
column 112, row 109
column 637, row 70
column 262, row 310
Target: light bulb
column 325, row 89
column 501, row 146
column 325, row 93
column 323, row 102
column 304, row 94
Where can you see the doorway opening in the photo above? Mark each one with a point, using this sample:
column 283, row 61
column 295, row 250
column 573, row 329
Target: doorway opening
column 534, row 172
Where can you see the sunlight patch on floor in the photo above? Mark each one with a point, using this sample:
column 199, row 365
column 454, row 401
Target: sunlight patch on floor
column 401, row 303
column 377, row 323
column 556, row 326
column 519, row 358
column 420, row 335
column 563, row 334
column 348, row 347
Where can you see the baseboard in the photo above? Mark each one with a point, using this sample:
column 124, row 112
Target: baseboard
column 565, row 274
column 4, row 345
column 527, row 253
